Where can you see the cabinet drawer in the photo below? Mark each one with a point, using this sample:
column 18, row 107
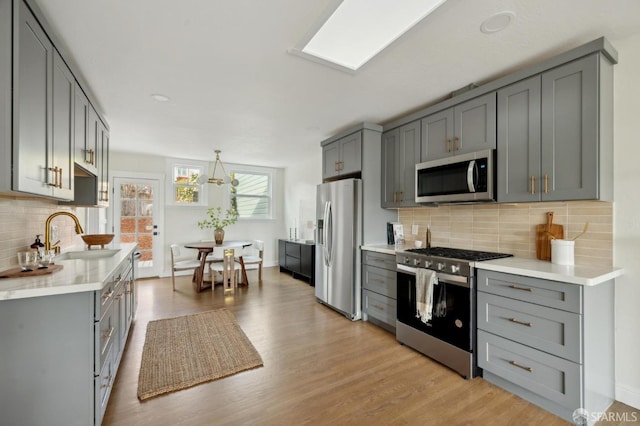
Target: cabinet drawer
column 553, row 294
column 380, row 307
column 103, row 299
column 550, row 330
column 381, row 281
column 553, row 378
column 381, row 260
column 292, row 249
column 105, row 333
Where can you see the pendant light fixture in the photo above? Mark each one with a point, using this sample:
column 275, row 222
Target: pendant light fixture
column 225, row 178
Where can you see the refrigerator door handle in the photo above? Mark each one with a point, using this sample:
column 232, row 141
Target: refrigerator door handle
column 328, row 231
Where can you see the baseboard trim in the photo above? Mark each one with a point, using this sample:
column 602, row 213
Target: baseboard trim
column 628, row 395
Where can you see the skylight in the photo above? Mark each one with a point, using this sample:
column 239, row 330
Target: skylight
column 360, row 29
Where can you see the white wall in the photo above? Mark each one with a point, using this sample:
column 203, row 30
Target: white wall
column 626, row 232
column 181, row 222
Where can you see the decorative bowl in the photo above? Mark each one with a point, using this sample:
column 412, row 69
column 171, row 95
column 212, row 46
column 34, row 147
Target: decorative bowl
column 97, row 239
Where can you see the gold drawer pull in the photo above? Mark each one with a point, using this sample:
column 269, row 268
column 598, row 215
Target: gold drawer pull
column 528, row 324
column 533, row 185
column 546, row 184
column 378, row 307
column 515, row 287
column 515, row 364
column 448, row 145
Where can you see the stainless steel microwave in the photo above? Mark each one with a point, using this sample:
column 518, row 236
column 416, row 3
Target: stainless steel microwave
column 457, row 179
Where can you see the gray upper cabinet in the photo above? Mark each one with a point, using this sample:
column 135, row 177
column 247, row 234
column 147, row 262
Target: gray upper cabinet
column 466, row 127
column 42, row 109
column 570, row 116
column 519, row 141
column 437, row 135
column 62, row 150
column 32, row 101
column 103, row 164
column 400, row 153
column 342, row 157
column 554, row 136
column 86, row 146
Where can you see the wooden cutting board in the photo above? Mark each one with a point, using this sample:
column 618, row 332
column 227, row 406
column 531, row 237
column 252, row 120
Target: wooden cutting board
column 544, row 233
column 17, row 272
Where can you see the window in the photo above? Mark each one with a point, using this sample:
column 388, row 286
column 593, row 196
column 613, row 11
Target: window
column 252, row 198
column 185, row 189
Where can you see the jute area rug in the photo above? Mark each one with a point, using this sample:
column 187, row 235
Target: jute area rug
column 185, row 351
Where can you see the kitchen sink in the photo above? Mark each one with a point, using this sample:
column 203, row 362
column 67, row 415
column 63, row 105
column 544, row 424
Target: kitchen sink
column 87, row 254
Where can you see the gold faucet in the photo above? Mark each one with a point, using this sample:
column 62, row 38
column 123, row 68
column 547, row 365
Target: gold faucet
column 47, row 229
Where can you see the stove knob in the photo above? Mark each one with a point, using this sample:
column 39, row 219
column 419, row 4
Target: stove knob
column 455, row 268
column 416, row 262
column 427, row 263
column 440, row 266
column 406, row 260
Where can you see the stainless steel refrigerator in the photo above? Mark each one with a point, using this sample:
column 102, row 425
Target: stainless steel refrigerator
column 339, row 236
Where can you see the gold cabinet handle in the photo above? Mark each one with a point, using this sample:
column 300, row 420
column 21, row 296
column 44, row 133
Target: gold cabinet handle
column 456, row 144
column 516, row 321
column 56, row 173
column 335, row 166
column 378, row 307
column 515, row 287
column 448, row 145
column 401, row 196
column 515, row 364
column 533, row 185
column 546, row 184
column 395, row 197
column 60, row 182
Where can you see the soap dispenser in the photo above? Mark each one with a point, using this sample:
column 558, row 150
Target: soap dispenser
column 37, row 244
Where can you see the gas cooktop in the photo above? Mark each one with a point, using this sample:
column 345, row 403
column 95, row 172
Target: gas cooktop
column 462, row 254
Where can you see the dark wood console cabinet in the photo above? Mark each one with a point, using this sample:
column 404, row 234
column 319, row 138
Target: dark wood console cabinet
column 299, row 258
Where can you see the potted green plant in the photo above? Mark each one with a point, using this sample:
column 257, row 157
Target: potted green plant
column 218, row 221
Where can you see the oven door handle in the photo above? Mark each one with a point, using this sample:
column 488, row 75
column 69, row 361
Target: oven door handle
column 442, row 277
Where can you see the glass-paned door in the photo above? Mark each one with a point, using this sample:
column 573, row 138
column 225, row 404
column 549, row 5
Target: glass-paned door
column 135, row 220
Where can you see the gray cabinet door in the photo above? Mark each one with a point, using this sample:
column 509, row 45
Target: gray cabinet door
column 330, row 160
column 475, row 125
column 389, row 169
column 103, row 165
column 62, row 147
column 407, row 155
column 519, row 142
column 85, row 146
column 32, row 106
column 437, row 135
column 351, row 154
column 570, row 131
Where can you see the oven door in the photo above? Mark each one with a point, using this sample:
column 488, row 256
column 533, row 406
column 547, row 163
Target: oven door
column 454, row 324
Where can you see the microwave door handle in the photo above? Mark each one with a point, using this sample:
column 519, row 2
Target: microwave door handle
column 472, row 171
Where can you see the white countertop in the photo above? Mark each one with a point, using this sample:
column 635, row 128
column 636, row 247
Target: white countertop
column 582, row 275
column 77, row 275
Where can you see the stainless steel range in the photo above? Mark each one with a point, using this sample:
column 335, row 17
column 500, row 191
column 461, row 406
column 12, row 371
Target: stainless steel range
column 449, row 336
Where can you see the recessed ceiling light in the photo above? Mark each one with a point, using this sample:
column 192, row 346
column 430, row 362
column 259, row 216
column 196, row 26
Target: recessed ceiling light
column 497, row 22
column 160, row 98
column 357, row 30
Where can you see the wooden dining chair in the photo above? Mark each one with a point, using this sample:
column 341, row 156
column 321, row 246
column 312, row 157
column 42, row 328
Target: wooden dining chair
column 180, row 265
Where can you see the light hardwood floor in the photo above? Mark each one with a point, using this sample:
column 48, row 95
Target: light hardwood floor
column 319, row 368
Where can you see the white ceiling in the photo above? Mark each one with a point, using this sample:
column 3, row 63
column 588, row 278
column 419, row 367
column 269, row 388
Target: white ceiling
column 234, row 87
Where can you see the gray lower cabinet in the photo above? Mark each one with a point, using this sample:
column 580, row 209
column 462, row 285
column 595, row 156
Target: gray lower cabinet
column 555, row 134
column 60, row 353
column 549, row 342
column 400, row 153
column 342, row 157
column 467, row 127
column 379, row 289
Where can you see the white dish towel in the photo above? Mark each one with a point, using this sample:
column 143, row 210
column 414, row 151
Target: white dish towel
column 425, row 280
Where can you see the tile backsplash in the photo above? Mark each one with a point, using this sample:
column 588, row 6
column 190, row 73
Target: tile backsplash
column 22, row 219
column 511, row 228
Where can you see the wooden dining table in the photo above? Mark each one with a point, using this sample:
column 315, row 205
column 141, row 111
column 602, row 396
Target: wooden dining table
column 204, row 248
